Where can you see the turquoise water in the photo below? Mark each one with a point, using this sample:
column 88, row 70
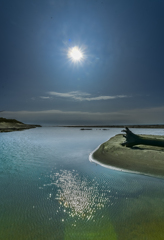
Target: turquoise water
column 50, row 190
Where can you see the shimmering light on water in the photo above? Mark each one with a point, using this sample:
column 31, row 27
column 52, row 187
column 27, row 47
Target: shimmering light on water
column 79, row 196
column 50, row 190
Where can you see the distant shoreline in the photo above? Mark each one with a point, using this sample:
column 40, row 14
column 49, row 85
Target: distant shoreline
column 116, row 126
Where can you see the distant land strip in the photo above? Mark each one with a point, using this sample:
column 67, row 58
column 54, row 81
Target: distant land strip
column 117, row 126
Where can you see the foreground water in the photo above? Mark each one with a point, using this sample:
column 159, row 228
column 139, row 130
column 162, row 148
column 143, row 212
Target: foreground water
column 50, row 190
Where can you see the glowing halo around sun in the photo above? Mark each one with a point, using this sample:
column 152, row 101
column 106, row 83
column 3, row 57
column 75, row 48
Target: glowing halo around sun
column 75, row 54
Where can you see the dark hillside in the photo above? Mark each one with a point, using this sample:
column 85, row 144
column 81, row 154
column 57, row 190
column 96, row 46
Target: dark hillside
column 9, row 120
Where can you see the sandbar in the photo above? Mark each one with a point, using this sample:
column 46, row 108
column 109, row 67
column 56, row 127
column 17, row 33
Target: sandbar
column 142, row 159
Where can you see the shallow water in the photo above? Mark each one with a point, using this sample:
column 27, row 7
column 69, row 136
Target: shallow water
column 50, row 190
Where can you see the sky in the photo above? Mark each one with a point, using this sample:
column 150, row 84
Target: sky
column 119, row 80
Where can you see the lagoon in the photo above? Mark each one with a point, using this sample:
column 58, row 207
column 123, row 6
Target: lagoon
column 50, row 189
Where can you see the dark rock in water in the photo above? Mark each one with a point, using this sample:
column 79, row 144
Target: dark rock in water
column 86, row 129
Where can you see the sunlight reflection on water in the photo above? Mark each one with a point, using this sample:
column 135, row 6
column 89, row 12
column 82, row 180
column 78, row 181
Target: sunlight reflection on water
column 77, row 195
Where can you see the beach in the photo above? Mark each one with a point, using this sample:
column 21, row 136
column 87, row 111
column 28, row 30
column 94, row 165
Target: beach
column 143, row 159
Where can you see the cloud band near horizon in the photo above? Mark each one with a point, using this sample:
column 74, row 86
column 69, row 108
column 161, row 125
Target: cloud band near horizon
column 58, row 117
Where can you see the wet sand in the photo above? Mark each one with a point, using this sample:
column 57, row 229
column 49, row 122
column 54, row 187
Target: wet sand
column 143, row 159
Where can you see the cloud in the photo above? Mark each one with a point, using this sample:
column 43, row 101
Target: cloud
column 45, row 97
column 58, row 117
column 82, row 96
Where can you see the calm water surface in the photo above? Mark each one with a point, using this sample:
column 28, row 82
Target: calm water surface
column 50, row 190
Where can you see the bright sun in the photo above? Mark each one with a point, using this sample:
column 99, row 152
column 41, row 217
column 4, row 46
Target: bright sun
column 75, row 54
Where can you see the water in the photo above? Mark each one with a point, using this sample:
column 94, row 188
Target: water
column 50, row 190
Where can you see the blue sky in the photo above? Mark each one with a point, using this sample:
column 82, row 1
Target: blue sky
column 119, row 81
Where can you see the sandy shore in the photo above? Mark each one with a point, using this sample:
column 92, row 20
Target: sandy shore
column 144, row 159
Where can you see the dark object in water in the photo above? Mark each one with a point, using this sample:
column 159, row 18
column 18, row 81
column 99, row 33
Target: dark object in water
column 86, row 129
